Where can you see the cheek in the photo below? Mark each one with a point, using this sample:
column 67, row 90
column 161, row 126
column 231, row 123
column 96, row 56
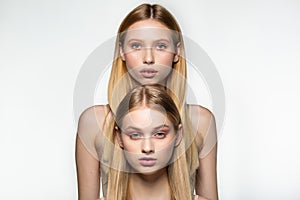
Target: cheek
column 166, row 149
column 165, row 59
column 130, row 146
column 165, row 156
column 132, row 60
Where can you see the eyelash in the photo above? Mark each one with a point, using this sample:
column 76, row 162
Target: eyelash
column 134, row 45
column 134, row 138
column 139, row 136
column 159, row 46
column 163, row 135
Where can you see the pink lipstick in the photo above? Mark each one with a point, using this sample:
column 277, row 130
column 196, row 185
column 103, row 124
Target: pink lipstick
column 148, row 72
column 147, row 162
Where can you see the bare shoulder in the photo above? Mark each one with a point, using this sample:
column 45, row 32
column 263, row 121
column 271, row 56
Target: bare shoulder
column 202, row 118
column 93, row 118
column 94, row 112
column 203, row 125
column 91, row 128
column 200, row 112
column 91, row 123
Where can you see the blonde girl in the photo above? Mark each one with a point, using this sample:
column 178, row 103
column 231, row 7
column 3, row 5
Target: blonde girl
column 149, row 49
column 149, row 156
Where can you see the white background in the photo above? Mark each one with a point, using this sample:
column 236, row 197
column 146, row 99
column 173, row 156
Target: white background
column 255, row 46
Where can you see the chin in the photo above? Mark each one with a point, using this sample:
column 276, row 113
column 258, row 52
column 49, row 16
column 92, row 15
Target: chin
column 144, row 81
column 151, row 172
column 147, row 82
column 148, row 173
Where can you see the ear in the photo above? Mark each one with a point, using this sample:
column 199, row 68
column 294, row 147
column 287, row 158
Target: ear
column 121, row 51
column 179, row 135
column 177, row 52
column 119, row 139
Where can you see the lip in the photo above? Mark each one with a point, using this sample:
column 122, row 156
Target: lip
column 148, row 72
column 147, row 161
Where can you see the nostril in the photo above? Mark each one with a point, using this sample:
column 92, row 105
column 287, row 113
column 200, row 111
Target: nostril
column 149, row 62
column 147, row 151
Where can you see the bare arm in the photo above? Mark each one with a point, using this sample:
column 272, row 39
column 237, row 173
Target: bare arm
column 206, row 177
column 87, row 161
column 88, row 173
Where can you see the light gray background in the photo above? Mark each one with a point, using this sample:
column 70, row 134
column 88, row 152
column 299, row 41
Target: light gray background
column 255, row 46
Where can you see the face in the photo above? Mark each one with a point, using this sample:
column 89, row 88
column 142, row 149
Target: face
column 148, row 138
column 149, row 51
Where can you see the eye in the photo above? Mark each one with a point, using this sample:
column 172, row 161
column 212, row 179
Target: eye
column 136, row 45
column 161, row 46
column 159, row 135
column 135, row 136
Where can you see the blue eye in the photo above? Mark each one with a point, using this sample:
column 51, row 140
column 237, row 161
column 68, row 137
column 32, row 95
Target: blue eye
column 136, row 46
column 161, row 46
column 160, row 135
column 135, row 136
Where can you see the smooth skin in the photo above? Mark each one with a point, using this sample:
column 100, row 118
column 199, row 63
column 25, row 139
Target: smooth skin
column 91, row 122
column 88, row 167
column 148, row 133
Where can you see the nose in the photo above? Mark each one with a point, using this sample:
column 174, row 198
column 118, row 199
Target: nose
column 147, row 146
column 148, row 56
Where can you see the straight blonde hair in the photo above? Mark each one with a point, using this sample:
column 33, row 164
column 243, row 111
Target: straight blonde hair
column 119, row 76
column 154, row 97
column 120, row 83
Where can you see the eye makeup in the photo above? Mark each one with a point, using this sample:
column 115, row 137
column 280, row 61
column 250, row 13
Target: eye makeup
column 159, row 132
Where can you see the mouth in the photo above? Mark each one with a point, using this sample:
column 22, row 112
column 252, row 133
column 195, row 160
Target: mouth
column 147, row 161
column 148, row 72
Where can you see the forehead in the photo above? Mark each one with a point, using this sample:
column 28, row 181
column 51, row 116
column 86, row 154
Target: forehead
column 148, row 29
column 148, row 23
column 145, row 118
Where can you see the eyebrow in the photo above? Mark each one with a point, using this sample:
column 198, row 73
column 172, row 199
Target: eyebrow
column 140, row 40
column 155, row 128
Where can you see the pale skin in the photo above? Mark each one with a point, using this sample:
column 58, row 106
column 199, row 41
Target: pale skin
column 92, row 120
column 148, row 133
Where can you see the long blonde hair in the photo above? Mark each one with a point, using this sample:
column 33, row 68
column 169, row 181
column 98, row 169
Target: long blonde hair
column 154, row 97
column 120, row 82
column 176, row 82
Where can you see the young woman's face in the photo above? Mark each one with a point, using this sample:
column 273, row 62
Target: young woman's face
column 149, row 51
column 148, row 138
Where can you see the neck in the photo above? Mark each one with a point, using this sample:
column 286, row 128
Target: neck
column 146, row 187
